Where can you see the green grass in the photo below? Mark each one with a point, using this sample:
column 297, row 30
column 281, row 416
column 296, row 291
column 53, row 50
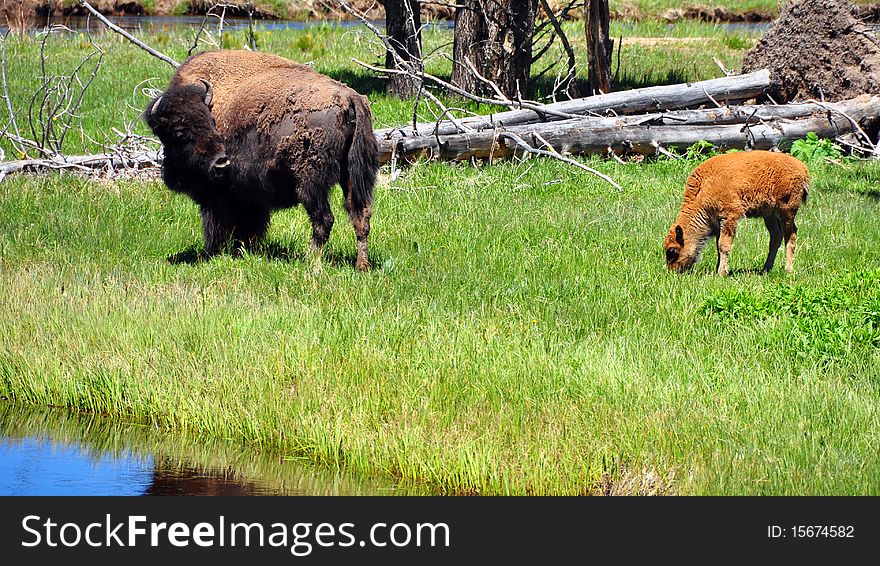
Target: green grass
column 519, row 333
column 656, row 9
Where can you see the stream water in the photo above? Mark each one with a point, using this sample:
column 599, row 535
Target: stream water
column 57, row 452
column 168, row 23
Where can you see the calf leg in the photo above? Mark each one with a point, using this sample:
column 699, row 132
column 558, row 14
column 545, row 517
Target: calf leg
column 725, row 243
column 774, row 226
column 789, row 232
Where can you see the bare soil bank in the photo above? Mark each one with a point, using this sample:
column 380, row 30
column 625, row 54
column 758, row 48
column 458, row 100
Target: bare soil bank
column 818, row 49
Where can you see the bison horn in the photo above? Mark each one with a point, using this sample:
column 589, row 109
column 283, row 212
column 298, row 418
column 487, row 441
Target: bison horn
column 155, row 105
column 209, row 92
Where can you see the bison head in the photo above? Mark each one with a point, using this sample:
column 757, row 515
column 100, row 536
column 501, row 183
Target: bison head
column 194, row 149
column 676, row 259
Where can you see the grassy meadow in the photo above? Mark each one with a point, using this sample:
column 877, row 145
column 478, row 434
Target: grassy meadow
column 519, row 333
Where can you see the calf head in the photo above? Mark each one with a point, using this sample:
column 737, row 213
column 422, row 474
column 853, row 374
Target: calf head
column 676, row 258
column 194, row 149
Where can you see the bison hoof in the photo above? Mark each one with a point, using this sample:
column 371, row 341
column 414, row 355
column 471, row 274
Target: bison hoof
column 362, row 265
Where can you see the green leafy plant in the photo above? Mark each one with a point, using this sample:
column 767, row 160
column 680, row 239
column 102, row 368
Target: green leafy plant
column 701, row 149
column 814, row 149
column 737, row 42
column 829, row 320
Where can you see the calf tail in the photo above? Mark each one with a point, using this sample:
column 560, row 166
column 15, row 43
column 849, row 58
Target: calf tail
column 363, row 157
column 806, row 193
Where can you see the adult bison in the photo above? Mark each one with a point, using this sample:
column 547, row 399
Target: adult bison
column 248, row 133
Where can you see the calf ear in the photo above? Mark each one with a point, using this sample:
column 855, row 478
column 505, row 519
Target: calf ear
column 679, row 235
column 209, row 92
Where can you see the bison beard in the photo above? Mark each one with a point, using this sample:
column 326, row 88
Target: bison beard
column 248, row 133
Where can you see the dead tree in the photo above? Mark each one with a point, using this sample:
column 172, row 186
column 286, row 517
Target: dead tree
column 599, row 45
column 403, row 25
column 493, row 42
column 567, row 83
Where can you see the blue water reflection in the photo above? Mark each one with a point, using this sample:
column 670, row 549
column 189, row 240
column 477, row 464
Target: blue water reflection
column 59, row 452
column 40, row 466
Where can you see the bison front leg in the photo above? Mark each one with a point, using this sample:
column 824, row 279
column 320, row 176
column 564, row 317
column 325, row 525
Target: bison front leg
column 217, row 227
column 249, row 227
column 725, row 243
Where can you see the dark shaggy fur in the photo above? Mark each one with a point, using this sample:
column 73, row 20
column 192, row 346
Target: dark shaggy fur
column 247, row 133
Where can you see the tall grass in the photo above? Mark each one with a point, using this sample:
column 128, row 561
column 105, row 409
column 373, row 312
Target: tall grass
column 172, row 458
column 519, row 333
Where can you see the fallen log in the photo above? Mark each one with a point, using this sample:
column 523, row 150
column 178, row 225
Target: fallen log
column 649, row 99
column 738, row 127
column 107, row 161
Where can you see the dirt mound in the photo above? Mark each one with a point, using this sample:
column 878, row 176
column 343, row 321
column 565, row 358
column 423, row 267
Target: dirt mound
column 818, row 49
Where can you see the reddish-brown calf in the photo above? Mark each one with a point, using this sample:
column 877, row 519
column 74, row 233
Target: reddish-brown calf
column 724, row 189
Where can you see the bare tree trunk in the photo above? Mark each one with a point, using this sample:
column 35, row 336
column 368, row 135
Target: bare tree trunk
column 494, row 37
column 599, row 46
column 403, row 26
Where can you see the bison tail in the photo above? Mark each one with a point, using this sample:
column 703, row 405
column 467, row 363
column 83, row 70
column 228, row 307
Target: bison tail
column 806, row 193
column 363, row 157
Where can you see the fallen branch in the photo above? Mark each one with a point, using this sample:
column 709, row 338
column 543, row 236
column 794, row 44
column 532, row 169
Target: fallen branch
column 128, row 36
column 534, row 107
column 104, row 161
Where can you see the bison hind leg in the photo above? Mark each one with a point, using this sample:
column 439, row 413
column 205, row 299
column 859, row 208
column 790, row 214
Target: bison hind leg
column 789, row 233
column 774, row 226
column 321, row 217
column 359, row 214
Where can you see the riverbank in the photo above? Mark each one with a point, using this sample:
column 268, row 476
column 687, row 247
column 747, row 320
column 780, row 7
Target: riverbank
column 630, row 10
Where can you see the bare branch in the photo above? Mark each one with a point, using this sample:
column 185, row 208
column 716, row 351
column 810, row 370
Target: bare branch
column 555, row 155
column 12, row 121
column 127, row 35
column 721, row 66
column 565, row 43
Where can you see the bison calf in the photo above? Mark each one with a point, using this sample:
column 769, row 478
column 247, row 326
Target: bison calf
column 724, row 189
column 247, row 133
